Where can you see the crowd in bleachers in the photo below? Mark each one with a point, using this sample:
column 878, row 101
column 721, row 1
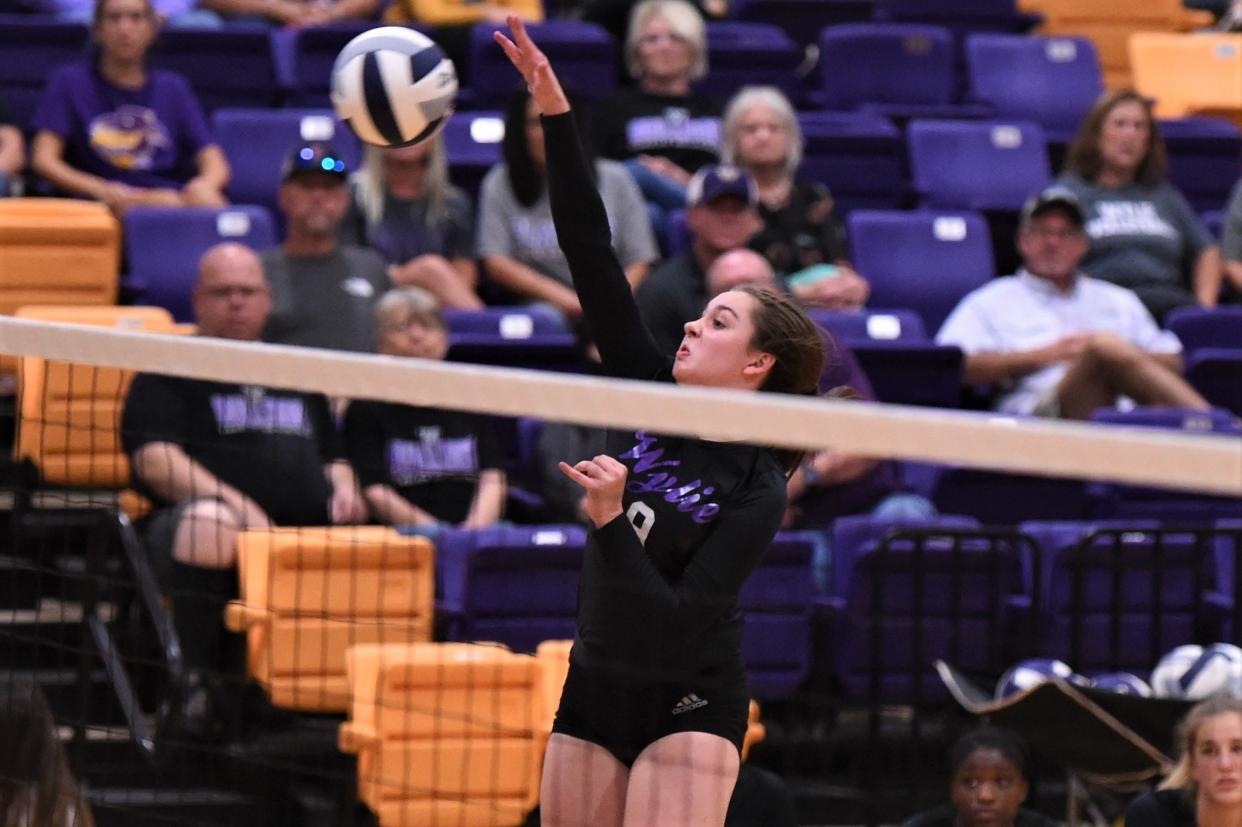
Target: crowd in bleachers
column 894, row 169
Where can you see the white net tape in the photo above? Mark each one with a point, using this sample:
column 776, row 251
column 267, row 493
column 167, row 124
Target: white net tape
column 1210, row 464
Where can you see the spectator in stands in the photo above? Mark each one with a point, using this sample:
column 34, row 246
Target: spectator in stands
column 323, row 292
column 291, row 13
column 110, row 128
column 1205, row 786
column 404, row 208
column 614, row 15
column 517, row 243
column 218, row 458
column 662, row 128
column 801, row 230
column 990, row 778
column 423, row 467
column 37, row 786
column 1231, row 241
column 12, row 154
column 1056, row 341
column 1144, row 235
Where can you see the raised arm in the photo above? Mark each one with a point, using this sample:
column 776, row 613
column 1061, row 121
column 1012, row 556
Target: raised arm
column 582, row 224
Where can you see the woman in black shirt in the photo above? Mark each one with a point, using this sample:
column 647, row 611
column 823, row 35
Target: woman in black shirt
column 654, row 708
column 1205, row 787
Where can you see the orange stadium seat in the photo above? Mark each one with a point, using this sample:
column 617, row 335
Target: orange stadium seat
column 308, row 594
column 1190, row 74
column 1109, row 23
column 68, row 420
column 445, row 733
column 57, row 251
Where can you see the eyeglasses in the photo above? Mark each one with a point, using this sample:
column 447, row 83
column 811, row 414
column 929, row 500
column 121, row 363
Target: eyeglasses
column 1054, row 234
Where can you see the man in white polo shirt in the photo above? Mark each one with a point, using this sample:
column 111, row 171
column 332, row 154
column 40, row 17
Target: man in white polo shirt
column 1056, row 342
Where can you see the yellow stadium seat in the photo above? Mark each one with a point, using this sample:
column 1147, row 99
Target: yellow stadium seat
column 307, row 594
column 1110, row 23
column 445, row 733
column 57, row 251
column 1190, row 74
column 68, row 421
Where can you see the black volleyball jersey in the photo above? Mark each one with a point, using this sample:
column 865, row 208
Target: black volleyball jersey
column 659, row 587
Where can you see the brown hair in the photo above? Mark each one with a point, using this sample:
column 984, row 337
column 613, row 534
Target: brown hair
column 101, row 5
column 1083, row 158
column 1180, row 777
column 36, row 786
column 797, row 345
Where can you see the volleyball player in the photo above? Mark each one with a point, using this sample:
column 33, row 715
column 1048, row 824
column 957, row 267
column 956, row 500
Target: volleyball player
column 654, row 708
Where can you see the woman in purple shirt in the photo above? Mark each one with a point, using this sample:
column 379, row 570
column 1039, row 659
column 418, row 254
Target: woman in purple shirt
column 110, row 128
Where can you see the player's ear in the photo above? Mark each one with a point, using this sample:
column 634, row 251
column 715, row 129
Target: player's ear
column 758, row 363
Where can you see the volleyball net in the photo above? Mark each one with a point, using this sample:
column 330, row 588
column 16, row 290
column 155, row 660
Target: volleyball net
column 261, row 651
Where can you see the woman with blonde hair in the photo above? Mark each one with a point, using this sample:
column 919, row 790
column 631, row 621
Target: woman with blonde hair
column 404, row 207
column 1205, row 787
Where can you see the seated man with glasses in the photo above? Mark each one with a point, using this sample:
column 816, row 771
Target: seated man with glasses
column 1056, row 342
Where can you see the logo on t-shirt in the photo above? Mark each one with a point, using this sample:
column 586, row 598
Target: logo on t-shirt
column 128, row 138
column 675, row 128
column 258, row 411
column 431, row 457
column 1128, row 218
column 358, row 286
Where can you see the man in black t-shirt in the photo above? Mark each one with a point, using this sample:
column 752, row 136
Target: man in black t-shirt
column 220, row 457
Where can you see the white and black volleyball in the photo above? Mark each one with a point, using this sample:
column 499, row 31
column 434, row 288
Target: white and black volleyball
column 393, row 86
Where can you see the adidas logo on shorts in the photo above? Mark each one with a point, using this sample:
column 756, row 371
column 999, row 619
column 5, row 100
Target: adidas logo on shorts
column 688, row 703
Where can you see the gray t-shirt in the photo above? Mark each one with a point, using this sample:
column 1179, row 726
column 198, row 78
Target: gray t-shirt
column 405, row 230
column 526, row 234
column 325, row 301
column 1231, row 236
column 1144, row 238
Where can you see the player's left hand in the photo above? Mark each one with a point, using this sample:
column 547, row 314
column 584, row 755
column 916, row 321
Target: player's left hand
column 527, row 58
column 603, row 479
column 347, row 506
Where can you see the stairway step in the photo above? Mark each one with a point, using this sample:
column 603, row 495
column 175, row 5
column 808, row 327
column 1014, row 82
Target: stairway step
column 149, row 807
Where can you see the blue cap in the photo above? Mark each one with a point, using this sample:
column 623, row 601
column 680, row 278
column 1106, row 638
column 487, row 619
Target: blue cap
column 716, row 181
column 313, row 157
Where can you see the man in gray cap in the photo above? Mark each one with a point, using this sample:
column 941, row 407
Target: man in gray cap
column 1056, row 342
column 323, row 293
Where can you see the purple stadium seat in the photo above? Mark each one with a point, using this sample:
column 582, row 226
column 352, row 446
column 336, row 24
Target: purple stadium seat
column 163, row 247
column 228, row 67
column 1051, row 81
column 912, row 373
column 32, row 48
column 777, row 601
column 962, row 16
column 1116, row 501
column 860, row 157
column 967, row 165
column 802, row 20
column 304, row 59
column 517, row 585
column 896, row 70
column 744, row 54
column 1205, row 159
column 584, row 55
column 1199, row 327
column 1216, row 372
column 256, row 142
column 862, row 327
column 1008, row 499
column 1117, row 595
column 472, row 145
column 534, row 336
column 941, row 590
column 925, row 261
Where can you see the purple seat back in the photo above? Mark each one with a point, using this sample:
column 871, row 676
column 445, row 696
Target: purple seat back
column 533, row 336
column 969, row 165
column 962, row 16
column 1205, row 159
column 584, row 54
column 163, row 246
column 32, row 48
column 1216, row 372
column 865, row 326
column 802, row 20
column 256, row 142
column 472, row 145
column 514, row 584
column 859, row 157
column 913, row 373
column 777, row 598
column 1051, row 81
column 227, row 67
column 855, row 536
column 1008, row 499
column 1200, row 327
column 305, row 56
column 745, row 54
column 863, row 63
column 926, row 261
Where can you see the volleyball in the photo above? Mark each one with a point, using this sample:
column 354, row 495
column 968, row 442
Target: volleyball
column 1123, row 683
column 1196, row 672
column 393, row 86
column 1032, row 672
